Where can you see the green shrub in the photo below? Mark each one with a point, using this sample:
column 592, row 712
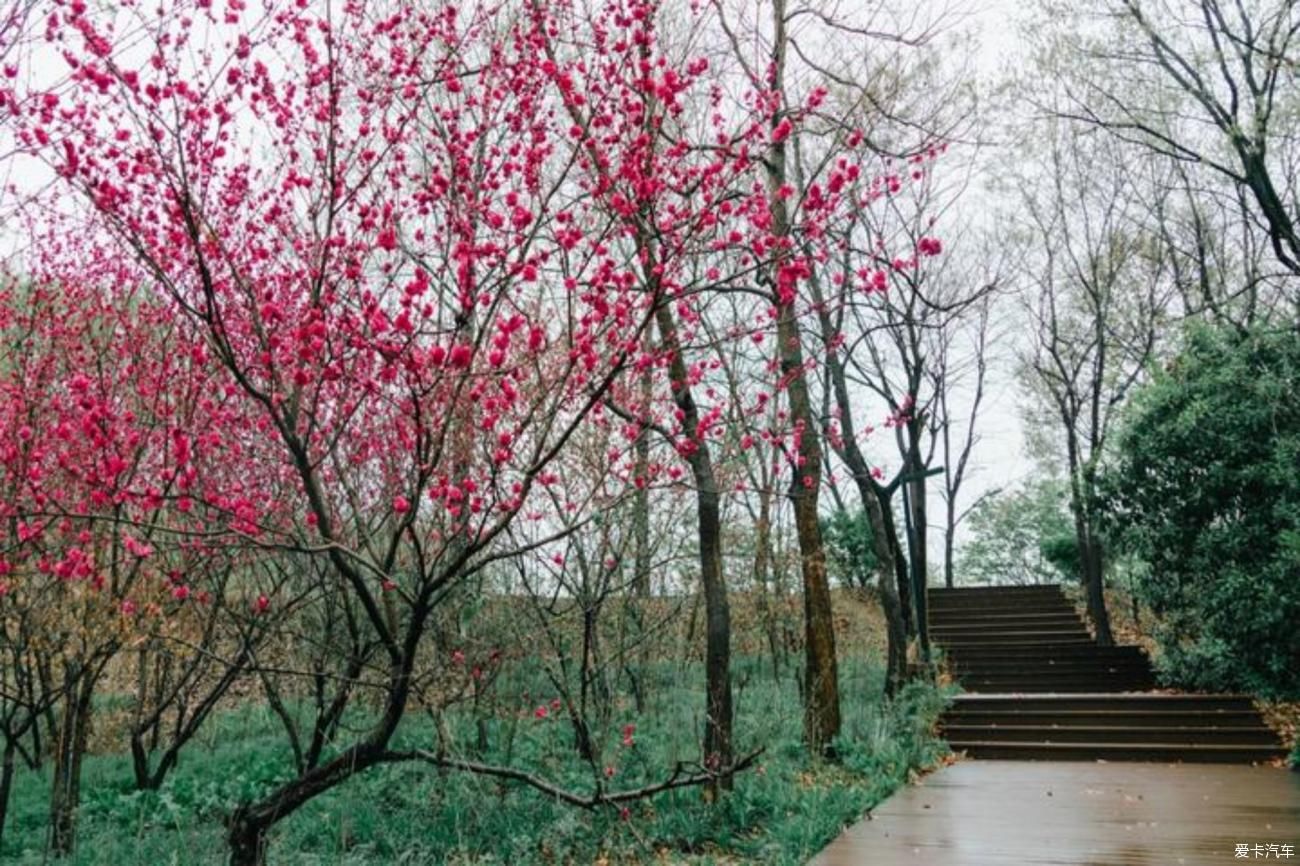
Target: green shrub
column 1207, row 492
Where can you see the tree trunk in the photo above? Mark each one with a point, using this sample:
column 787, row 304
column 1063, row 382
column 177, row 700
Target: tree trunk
column 950, row 531
column 902, row 578
column 641, row 587
column 896, row 631
column 1092, row 571
column 875, row 499
column 916, row 518
column 1093, row 568
column 762, row 558
column 821, row 694
column 248, row 825
column 717, row 612
column 6, row 784
column 717, row 729
column 70, row 748
column 247, row 843
column 641, row 501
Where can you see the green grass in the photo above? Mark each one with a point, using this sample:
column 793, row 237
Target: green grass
column 779, row 813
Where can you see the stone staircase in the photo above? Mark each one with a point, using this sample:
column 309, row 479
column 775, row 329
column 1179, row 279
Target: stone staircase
column 1040, row 688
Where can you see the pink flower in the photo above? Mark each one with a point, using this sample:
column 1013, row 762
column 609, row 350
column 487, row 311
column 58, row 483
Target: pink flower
column 261, row 604
column 180, row 593
column 128, row 607
column 401, row 504
column 782, row 131
column 628, row 731
column 541, row 712
column 458, row 657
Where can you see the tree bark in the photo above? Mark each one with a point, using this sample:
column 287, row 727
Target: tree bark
column 641, row 501
column 717, row 612
column 917, row 540
column 70, row 748
column 1093, row 567
column 762, row 559
column 821, row 693
column 951, row 531
column 902, row 579
column 896, row 630
column 6, row 784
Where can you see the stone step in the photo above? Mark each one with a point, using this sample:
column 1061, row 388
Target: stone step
column 1103, row 718
column 1064, row 652
column 1255, row 735
column 1155, row 752
column 963, row 667
column 1002, row 619
column 1012, row 608
column 945, row 634
column 1021, row 639
column 988, row 591
column 1101, row 701
column 1084, row 683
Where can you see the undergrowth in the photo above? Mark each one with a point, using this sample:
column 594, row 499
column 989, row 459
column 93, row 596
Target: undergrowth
column 780, row 812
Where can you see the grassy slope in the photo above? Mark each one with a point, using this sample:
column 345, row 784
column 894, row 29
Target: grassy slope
column 779, row 813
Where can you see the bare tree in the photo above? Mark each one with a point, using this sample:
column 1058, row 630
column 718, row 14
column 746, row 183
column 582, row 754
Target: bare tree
column 956, row 430
column 1097, row 285
column 1200, row 82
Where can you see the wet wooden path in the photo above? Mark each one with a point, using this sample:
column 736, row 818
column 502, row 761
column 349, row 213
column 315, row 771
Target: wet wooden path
column 981, row 813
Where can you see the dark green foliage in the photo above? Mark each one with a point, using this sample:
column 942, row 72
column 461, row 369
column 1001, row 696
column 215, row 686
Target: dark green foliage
column 780, row 813
column 850, row 551
column 1062, row 551
column 1207, row 491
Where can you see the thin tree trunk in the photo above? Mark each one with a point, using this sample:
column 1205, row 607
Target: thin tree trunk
column 1091, row 557
column 1091, row 564
column 70, row 748
column 6, row 784
column 896, row 648
column 641, row 502
column 875, row 499
column 902, row 579
column 821, row 694
column 917, row 518
column 641, row 586
column 762, row 558
column 948, row 549
column 717, row 612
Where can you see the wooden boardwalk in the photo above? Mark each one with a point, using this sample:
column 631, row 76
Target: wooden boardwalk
column 981, row 813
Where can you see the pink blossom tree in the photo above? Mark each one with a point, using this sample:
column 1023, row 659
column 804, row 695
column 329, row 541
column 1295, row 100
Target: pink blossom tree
column 402, row 245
